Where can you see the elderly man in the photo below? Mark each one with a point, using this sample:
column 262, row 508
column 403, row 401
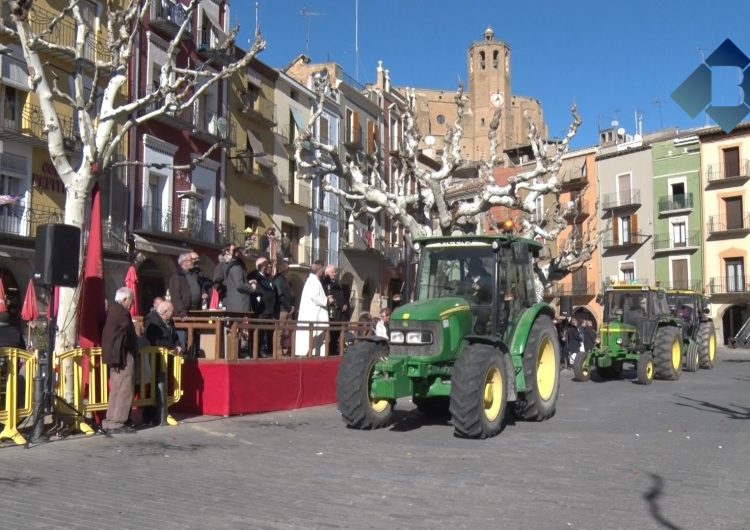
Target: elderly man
column 265, row 301
column 338, row 308
column 119, row 346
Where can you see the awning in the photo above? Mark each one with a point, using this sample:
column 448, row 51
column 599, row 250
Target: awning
column 257, row 148
column 148, row 245
column 299, row 119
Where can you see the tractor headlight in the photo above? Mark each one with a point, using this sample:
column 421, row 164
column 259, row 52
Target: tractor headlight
column 397, row 337
column 619, row 341
column 597, row 341
column 419, row 337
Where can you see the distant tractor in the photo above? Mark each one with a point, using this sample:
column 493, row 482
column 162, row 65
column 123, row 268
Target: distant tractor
column 698, row 333
column 474, row 340
column 638, row 327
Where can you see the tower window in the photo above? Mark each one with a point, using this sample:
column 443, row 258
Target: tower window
column 440, row 119
column 495, row 55
column 481, row 60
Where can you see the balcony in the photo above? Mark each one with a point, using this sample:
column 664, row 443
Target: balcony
column 622, row 199
column 728, row 285
column 21, row 219
column 665, row 243
column 695, row 285
column 213, row 129
column 719, row 174
column 195, row 226
column 610, row 243
column 722, row 225
column 259, row 108
column 153, row 220
column 254, row 169
column 575, row 289
column 213, row 44
column 29, row 128
column 182, row 120
column 574, row 179
column 576, row 211
column 299, row 194
column 167, row 18
column 671, row 204
column 353, row 138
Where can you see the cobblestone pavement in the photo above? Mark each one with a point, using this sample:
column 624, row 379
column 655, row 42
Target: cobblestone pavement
column 616, row 455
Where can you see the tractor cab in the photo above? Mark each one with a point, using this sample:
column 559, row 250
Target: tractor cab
column 638, row 306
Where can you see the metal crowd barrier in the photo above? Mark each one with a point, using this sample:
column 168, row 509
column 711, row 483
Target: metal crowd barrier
column 16, row 385
column 94, row 396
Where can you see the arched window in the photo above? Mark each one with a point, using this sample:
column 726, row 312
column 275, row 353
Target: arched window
column 481, row 60
column 495, row 55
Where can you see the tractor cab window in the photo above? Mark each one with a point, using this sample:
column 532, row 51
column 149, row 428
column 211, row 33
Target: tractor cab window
column 633, row 304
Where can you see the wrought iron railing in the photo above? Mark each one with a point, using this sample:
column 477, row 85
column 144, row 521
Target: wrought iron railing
column 23, row 219
column 667, row 242
column 670, row 203
column 169, row 11
column 724, row 223
column 719, row 171
column 153, row 219
column 633, row 239
column 728, row 284
column 621, row 199
column 575, row 289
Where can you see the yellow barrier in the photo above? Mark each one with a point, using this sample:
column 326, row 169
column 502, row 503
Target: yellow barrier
column 10, row 412
column 96, row 396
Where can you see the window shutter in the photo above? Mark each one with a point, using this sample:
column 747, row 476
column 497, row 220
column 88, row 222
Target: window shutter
column 356, row 133
column 616, row 230
column 634, row 229
column 370, row 137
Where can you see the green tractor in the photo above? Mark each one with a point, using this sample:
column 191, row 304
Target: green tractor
column 638, row 327
column 474, row 340
column 699, row 335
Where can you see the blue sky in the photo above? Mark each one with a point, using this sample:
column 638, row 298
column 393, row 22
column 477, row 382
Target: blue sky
column 611, row 58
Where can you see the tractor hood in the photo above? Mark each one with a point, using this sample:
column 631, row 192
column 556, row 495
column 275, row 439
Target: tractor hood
column 612, row 331
column 432, row 309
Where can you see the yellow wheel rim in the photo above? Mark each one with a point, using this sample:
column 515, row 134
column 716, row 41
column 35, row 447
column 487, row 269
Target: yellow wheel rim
column 650, row 371
column 377, row 405
column 712, row 348
column 676, row 355
column 546, row 369
column 493, row 393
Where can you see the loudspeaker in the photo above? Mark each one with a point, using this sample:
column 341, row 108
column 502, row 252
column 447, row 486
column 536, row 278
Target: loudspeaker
column 566, row 306
column 57, row 250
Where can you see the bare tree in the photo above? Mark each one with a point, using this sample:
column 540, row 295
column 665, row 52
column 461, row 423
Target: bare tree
column 439, row 198
column 105, row 114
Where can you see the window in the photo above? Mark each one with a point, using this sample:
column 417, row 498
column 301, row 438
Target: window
column 625, row 234
column 394, row 134
column 11, row 109
column 10, row 214
column 481, row 60
column 735, row 269
column 538, row 215
column 733, row 208
column 440, row 119
column 677, row 195
column 494, row 59
column 680, row 278
column 623, row 188
column 679, row 234
column 627, row 271
column 290, row 242
column 731, row 162
column 324, row 129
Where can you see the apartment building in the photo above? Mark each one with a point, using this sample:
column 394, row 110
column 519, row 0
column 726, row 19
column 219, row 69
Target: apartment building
column 725, row 170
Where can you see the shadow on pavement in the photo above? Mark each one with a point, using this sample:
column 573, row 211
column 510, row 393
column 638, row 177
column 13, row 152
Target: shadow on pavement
column 735, row 413
column 409, row 420
column 652, row 498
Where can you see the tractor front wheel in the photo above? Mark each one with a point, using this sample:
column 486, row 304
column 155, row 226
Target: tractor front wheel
column 581, row 368
column 692, row 359
column 478, row 392
column 541, row 359
column 707, row 345
column 645, row 369
column 358, row 409
column 668, row 353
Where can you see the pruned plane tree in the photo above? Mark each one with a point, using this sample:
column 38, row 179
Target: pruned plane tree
column 435, row 203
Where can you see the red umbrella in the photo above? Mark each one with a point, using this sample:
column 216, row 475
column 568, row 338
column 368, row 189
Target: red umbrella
column 3, row 305
column 214, row 302
column 131, row 282
column 30, row 310
column 52, row 311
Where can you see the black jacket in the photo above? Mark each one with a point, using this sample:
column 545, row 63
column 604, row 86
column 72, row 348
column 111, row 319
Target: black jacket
column 118, row 337
column 10, row 336
column 333, row 287
column 160, row 333
column 573, row 339
column 265, row 299
column 284, row 291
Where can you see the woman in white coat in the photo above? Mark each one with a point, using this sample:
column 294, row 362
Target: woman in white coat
column 313, row 307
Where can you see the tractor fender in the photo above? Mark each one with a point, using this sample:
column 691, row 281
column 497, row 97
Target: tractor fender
column 523, row 327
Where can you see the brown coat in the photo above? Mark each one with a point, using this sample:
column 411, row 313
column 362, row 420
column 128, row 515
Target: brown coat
column 118, row 337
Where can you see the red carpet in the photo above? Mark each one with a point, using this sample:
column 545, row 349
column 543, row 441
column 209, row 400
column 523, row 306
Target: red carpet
column 220, row 388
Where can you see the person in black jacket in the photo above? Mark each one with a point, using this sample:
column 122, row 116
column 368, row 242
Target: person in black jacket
column 338, row 310
column 265, row 302
column 286, row 304
column 573, row 341
column 160, row 330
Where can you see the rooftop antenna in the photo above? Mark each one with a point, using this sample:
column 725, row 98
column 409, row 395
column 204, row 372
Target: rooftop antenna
column 257, row 19
column 658, row 102
column 356, row 40
column 307, row 14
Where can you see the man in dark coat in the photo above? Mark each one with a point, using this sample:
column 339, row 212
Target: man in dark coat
column 160, row 331
column 265, row 301
column 235, row 281
column 188, row 287
column 220, row 273
column 119, row 347
column 338, row 310
column 286, row 303
column 573, row 340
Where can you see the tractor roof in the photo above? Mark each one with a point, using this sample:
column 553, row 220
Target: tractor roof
column 688, row 292
column 473, row 239
column 631, row 288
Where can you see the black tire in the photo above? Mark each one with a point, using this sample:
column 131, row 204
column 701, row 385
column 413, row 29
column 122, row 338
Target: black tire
column 692, row 359
column 581, row 368
column 645, row 369
column 707, row 345
column 668, row 353
column 540, row 361
column 478, row 392
column 612, row 371
column 358, row 409
column 435, row 407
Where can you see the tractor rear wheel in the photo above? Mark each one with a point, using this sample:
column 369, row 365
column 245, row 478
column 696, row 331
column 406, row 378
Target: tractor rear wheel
column 540, row 368
column 668, row 353
column 613, row 371
column 435, row 407
column 645, row 369
column 707, row 344
column 478, row 392
column 692, row 359
column 359, row 410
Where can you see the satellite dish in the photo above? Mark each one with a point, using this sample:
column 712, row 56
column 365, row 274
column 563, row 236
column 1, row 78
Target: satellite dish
column 429, row 140
column 497, row 99
column 621, row 132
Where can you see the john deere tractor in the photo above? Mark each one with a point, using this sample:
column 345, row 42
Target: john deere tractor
column 474, row 340
column 698, row 333
column 638, row 327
